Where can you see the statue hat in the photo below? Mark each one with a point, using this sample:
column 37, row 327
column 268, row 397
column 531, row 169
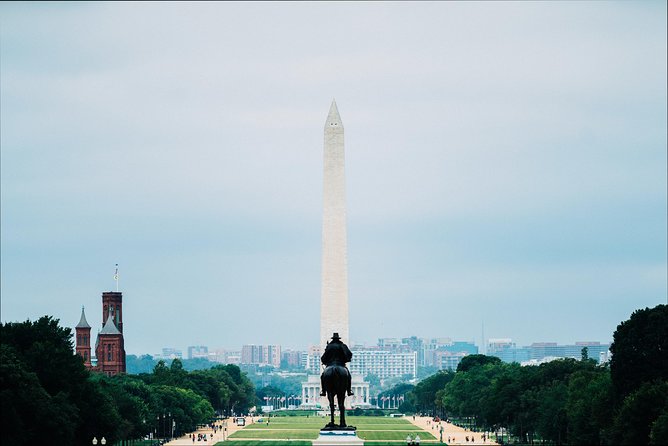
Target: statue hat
column 336, row 336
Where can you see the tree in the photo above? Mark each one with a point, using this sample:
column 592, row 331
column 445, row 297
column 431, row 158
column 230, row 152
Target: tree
column 639, row 349
column 423, row 396
column 470, row 361
column 639, row 412
column 241, row 390
column 49, row 387
column 373, row 380
column 589, row 406
column 550, row 414
column 464, row 394
column 24, row 401
column 141, row 364
column 186, row 407
column 659, row 431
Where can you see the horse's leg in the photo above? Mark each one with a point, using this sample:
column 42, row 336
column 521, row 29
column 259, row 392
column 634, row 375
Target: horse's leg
column 330, row 396
column 342, row 408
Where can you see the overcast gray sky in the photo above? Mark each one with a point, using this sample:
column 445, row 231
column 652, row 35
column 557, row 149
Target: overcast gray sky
column 506, row 163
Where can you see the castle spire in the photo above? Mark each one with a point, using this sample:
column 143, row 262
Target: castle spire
column 83, row 323
column 109, row 326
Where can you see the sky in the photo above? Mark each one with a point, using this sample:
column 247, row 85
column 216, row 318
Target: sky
column 505, row 167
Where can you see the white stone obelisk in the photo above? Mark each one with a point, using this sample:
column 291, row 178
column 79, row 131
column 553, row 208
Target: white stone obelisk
column 334, row 294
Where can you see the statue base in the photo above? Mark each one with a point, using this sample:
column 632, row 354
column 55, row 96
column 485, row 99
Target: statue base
column 338, row 437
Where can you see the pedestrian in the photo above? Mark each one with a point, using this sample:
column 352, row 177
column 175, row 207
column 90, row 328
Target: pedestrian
column 409, row 440
column 417, row 440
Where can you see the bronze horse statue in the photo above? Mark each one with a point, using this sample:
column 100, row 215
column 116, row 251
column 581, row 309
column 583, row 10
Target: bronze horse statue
column 336, row 380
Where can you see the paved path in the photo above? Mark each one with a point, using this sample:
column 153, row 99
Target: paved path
column 456, row 434
column 218, row 436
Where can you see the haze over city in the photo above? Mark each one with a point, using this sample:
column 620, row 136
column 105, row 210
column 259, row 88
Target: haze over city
column 505, row 163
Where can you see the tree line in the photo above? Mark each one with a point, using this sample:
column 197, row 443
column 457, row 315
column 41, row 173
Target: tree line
column 565, row 401
column 46, row 393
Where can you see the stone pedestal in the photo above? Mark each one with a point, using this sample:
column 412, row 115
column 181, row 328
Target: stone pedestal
column 338, row 438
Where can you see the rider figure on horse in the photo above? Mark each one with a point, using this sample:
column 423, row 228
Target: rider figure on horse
column 336, row 353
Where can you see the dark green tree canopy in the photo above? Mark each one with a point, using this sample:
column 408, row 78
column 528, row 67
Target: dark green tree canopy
column 44, row 387
column 470, row 361
column 640, row 349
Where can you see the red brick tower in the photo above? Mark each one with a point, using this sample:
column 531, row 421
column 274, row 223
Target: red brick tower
column 113, row 300
column 83, row 339
column 110, row 346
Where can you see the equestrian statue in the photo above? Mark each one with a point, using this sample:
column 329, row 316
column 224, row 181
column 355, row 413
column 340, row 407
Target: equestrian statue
column 336, row 380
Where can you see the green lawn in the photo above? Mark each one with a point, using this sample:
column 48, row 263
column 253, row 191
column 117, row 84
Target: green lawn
column 375, row 429
column 262, row 443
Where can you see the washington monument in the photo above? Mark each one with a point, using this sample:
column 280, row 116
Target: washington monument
column 334, row 294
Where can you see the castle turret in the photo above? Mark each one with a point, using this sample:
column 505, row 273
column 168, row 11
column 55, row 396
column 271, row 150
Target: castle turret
column 82, row 331
column 110, row 347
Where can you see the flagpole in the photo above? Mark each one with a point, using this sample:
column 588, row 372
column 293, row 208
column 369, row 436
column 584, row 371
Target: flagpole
column 116, row 277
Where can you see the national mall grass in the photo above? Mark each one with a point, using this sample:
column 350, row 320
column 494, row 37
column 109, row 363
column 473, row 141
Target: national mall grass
column 373, row 429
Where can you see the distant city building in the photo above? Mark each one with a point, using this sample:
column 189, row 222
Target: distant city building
column 390, row 344
column 431, row 352
column 429, row 346
column 313, row 359
column 506, row 350
column 446, row 360
column 261, row 355
column 540, row 352
column 293, row 359
column 595, row 350
column 383, row 363
column 232, row 357
column 224, row 356
column 198, row 351
column 170, row 353
column 448, row 355
column 414, row 344
column 217, row 355
column 439, row 348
